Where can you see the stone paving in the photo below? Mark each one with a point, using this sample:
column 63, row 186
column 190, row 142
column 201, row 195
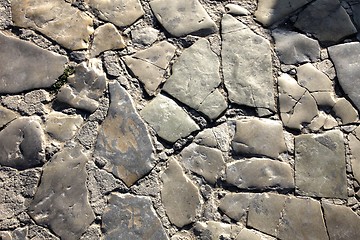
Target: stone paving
column 179, row 119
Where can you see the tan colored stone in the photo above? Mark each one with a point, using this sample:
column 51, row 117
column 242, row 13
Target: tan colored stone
column 6, row 116
column 344, row 109
column 236, row 205
column 312, row 79
column 62, row 126
column 251, row 234
column 216, row 230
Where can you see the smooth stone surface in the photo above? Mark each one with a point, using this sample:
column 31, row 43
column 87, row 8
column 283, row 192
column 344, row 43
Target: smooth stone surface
column 123, row 139
column 313, row 79
column 122, row 13
column 62, row 126
column 235, row 9
column 216, row 137
column 247, row 65
column 259, row 137
column 131, row 217
column 345, row 111
column 236, row 205
column 320, row 165
column 260, row 174
column 6, row 116
column 294, row 48
column 195, row 77
column 181, row 18
column 25, row 66
column 354, row 145
column 332, row 22
column 58, row 20
column 168, row 119
column 216, row 230
column 181, row 198
column 61, row 201
column 22, row 144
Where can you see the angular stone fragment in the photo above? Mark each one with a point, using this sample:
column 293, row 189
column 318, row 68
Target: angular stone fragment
column 345, row 111
column 260, row 174
column 181, row 198
column 312, row 79
column 354, row 145
column 123, row 139
column 342, row 223
column 22, row 144
column 181, row 18
column 61, row 199
column 84, row 88
column 236, row 205
column 6, row 116
column 168, row 119
column 122, row 13
column 62, row 126
column 216, row 137
column 25, row 66
column 247, row 65
column 252, row 235
column 320, row 165
column 195, row 77
column 144, row 35
column 106, row 37
column 58, row 20
column 332, row 22
column 235, row 9
column 216, row 230
column 259, row 137
column 131, row 217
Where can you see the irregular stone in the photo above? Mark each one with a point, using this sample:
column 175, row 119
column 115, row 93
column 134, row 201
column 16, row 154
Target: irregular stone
column 326, row 99
column 312, row 79
column 6, row 116
column 22, row 144
column 354, row 145
column 216, row 230
column 205, row 161
column 235, row 9
column 332, row 22
column 260, row 174
column 168, row 119
column 84, row 88
column 122, row 13
column 61, row 199
column 342, row 223
column 123, row 140
column 259, row 137
column 181, row 198
column 181, row 18
column 249, row 82
column 356, row 14
column 347, row 65
column 294, row 48
column 216, row 137
column 62, row 126
column 25, row 66
column 271, row 11
column 131, row 217
column 92, row 233
column 320, row 165
column 251, row 234
column 144, row 36
column 345, row 111
column 106, row 37
column 58, row 20
column 195, row 77
column 236, row 205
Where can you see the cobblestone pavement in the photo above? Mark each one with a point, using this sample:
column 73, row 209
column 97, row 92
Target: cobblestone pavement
column 179, row 119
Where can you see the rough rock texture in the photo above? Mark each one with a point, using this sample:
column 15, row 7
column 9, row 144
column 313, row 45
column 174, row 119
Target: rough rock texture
column 62, row 126
column 236, row 205
column 216, row 230
column 6, row 116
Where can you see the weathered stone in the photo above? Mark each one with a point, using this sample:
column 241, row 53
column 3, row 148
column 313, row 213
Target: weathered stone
column 260, row 174
column 58, row 20
column 6, row 116
column 259, row 137
column 61, row 199
column 84, row 88
column 295, row 48
column 195, row 77
column 347, row 65
column 22, row 144
column 181, row 18
column 247, row 66
column 62, row 126
column 332, row 22
column 342, row 223
column 123, row 139
column 312, row 79
column 354, row 144
column 181, row 198
column 216, row 137
column 251, row 234
column 320, row 165
column 106, row 37
column 168, row 119
column 131, row 217
column 122, row 13
column 235, row 9
column 355, row 7
column 25, row 66
column 216, row 230
column 271, row 11
column 205, row 161
column 326, row 99
column 345, row 111
column 144, row 36
column 236, row 205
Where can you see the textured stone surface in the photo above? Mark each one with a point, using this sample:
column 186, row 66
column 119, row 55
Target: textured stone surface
column 252, row 235
column 24, row 66
column 62, row 126
column 312, row 79
column 123, row 139
column 216, row 137
column 216, row 230
column 236, row 205
column 345, row 111
column 235, row 9
column 354, row 145
column 6, row 116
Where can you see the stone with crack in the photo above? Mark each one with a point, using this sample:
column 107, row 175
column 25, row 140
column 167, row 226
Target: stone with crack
column 6, row 116
column 62, row 126
column 216, row 137
column 251, row 234
column 312, row 79
column 216, row 230
column 354, row 145
column 236, row 205
column 345, row 111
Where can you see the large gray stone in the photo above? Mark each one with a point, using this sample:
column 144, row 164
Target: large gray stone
column 247, row 65
column 130, row 217
column 123, row 139
column 24, row 66
column 61, row 200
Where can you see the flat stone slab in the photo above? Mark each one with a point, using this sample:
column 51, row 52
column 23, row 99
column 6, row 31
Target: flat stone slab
column 320, row 165
column 25, row 66
column 123, row 139
column 181, row 18
column 61, row 201
column 58, row 20
column 216, row 137
column 131, row 217
column 313, row 79
column 62, row 126
column 236, row 205
column 249, row 81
